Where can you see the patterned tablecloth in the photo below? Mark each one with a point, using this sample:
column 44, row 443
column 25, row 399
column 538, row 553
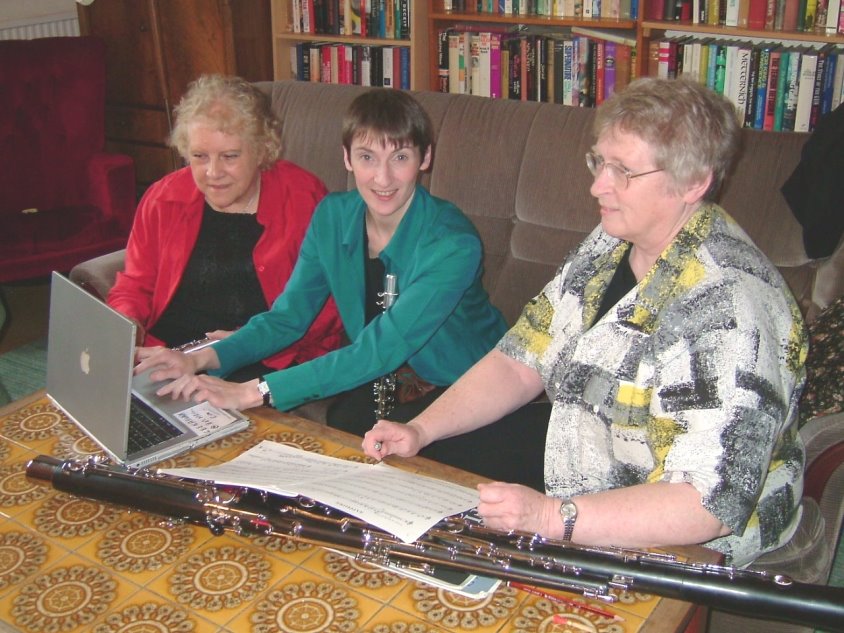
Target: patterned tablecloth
column 69, row 565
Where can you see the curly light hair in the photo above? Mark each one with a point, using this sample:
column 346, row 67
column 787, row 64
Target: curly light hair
column 231, row 105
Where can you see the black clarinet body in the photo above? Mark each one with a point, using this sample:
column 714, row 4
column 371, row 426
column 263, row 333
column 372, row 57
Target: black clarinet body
column 459, row 542
column 384, row 388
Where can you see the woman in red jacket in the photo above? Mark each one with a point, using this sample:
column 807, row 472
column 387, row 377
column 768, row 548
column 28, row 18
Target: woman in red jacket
column 215, row 242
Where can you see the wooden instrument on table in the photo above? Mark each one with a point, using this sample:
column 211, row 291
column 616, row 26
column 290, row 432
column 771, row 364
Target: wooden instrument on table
column 460, row 542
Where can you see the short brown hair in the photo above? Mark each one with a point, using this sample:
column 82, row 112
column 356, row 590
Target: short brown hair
column 391, row 114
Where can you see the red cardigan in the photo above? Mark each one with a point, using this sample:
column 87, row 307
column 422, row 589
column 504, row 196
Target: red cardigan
column 164, row 233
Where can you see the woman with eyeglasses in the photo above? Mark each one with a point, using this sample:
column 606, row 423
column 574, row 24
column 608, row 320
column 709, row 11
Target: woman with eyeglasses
column 670, row 350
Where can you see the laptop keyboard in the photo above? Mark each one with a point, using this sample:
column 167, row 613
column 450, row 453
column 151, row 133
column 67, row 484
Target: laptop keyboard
column 147, row 427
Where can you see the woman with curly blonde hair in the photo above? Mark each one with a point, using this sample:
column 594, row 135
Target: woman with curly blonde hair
column 214, row 243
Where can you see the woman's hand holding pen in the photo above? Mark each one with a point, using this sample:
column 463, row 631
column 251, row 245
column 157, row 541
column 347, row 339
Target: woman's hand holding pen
column 392, row 438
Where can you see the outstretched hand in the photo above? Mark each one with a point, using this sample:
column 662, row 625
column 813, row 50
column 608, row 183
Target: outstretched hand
column 392, row 438
column 506, row 506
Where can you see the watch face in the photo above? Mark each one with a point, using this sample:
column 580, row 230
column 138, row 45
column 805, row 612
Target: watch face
column 568, row 510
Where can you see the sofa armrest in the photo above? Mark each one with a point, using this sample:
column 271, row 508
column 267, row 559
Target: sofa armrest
column 823, row 437
column 111, row 187
column 97, row 275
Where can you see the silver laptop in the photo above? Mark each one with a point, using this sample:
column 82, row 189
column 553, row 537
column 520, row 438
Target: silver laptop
column 90, row 358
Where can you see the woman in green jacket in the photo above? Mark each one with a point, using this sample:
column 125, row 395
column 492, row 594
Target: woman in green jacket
column 440, row 323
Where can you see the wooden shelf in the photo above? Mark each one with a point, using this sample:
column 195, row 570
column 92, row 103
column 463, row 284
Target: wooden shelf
column 649, row 26
column 284, row 39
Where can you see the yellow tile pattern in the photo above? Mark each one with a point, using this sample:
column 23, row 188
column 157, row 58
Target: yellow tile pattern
column 72, row 565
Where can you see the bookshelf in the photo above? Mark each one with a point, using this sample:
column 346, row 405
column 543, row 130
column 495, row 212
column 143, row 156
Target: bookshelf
column 439, row 18
column 286, row 38
column 775, row 37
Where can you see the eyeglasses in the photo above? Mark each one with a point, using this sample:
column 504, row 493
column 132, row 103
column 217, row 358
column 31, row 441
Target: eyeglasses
column 620, row 176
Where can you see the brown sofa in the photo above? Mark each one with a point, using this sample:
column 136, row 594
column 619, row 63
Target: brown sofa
column 517, row 170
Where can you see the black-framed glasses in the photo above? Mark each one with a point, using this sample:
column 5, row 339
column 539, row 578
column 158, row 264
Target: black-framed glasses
column 620, row 176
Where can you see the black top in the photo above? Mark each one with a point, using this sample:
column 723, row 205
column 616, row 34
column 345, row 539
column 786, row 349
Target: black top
column 219, row 289
column 622, row 282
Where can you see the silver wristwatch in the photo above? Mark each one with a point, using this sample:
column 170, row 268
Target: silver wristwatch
column 264, row 390
column 568, row 513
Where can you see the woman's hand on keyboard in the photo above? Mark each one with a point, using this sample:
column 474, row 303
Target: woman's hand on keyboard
column 219, row 392
column 168, row 364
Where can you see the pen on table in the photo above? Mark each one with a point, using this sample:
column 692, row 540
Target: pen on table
column 563, row 600
column 568, row 622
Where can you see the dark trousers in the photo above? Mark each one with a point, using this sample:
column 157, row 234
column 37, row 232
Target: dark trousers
column 511, row 449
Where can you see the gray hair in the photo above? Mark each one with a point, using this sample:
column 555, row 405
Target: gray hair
column 692, row 130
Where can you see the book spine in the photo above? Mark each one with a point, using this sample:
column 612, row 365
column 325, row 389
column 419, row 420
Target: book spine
column 569, row 77
column 792, row 84
column 404, row 19
column 741, row 81
column 515, row 90
column 808, row 69
column 732, row 14
column 720, row 69
column 485, row 64
column 817, row 91
column 541, row 58
column 495, row 65
column 770, row 14
column 771, row 90
column 838, row 80
column 584, row 73
column 610, row 58
column 752, row 79
column 828, row 78
column 809, row 15
column 756, row 14
column 387, row 66
column 474, row 64
column 781, row 90
column 404, row 67
column 296, row 16
column 761, row 88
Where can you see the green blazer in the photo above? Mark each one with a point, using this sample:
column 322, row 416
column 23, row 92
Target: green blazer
column 441, row 323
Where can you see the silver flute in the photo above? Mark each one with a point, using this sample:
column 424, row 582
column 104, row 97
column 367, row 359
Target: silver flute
column 459, row 542
column 384, row 389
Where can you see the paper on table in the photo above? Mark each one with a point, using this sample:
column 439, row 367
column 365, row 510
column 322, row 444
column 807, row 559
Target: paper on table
column 402, row 503
column 273, row 467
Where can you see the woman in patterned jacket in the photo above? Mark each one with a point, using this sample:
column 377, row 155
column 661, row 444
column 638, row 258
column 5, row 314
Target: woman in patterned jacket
column 671, row 351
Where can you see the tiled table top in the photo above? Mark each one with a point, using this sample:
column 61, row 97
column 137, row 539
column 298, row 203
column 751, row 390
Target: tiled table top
column 69, row 565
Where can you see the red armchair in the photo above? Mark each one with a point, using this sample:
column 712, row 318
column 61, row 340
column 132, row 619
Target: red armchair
column 64, row 199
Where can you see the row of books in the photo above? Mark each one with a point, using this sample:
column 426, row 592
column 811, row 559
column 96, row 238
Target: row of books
column 386, row 19
column 824, row 17
column 564, row 68
column 359, row 64
column 590, row 9
column 774, row 87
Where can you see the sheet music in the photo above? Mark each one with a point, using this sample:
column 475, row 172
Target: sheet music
column 404, row 504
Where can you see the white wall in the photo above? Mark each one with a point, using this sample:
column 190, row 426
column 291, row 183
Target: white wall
column 16, row 12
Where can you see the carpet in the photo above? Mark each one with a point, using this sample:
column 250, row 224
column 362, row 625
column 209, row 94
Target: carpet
column 23, row 370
